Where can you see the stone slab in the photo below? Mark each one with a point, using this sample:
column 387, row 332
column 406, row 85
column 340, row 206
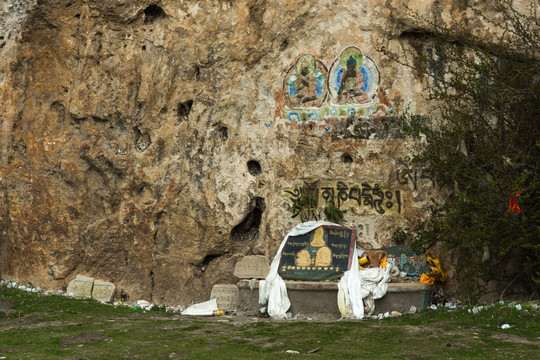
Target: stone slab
column 81, row 287
column 103, row 291
column 252, row 267
column 226, row 296
column 319, row 299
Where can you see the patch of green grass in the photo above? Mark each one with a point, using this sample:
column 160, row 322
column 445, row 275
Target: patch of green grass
column 51, row 327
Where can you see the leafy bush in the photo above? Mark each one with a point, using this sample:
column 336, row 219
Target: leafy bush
column 483, row 145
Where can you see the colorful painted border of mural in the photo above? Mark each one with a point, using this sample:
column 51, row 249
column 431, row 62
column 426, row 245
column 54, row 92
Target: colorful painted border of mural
column 335, row 111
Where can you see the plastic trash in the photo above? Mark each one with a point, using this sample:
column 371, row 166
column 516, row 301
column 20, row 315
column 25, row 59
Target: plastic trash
column 292, row 352
column 205, row 308
column 363, row 261
column 505, row 326
column 518, row 306
column 433, row 307
column 143, row 303
column 252, row 284
column 450, row 305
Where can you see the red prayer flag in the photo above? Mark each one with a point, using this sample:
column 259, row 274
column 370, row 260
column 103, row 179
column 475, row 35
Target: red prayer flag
column 513, row 206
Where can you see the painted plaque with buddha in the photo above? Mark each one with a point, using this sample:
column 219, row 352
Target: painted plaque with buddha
column 322, row 254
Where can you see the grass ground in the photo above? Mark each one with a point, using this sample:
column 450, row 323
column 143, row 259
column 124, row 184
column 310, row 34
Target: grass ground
column 36, row 326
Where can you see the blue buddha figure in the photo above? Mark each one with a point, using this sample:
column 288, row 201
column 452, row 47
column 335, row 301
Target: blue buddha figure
column 351, row 84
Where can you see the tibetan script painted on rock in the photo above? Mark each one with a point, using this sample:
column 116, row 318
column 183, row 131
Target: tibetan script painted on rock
column 367, row 197
column 322, row 254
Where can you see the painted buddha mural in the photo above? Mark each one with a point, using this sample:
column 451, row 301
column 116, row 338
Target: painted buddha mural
column 351, row 79
column 353, row 82
column 304, row 87
column 350, row 88
column 317, row 253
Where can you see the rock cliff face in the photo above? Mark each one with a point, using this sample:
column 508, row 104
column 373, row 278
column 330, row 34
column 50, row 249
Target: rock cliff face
column 145, row 142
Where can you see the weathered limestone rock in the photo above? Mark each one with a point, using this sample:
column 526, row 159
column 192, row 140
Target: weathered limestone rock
column 103, row 291
column 252, row 267
column 81, row 287
column 145, row 142
column 226, row 296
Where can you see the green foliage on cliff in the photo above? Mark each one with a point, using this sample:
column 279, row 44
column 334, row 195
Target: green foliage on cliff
column 483, row 145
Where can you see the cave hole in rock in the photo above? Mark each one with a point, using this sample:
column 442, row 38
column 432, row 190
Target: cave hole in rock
column 142, row 141
column 346, row 159
column 254, row 167
column 248, row 229
column 184, row 108
column 123, row 296
column 144, row 48
column 207, row 260
column 197, row 72
column 152, row 278
column 223, row 133
column 153, row 13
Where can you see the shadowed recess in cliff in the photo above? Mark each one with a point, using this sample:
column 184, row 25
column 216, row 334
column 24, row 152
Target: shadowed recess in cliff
column 248, row 229
column 183, row 109
column 153, row 13
column 346, row 159
column 222, row 131
column 207, row 260
column 142, row 141
column 254, row 167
